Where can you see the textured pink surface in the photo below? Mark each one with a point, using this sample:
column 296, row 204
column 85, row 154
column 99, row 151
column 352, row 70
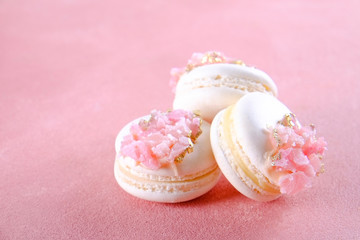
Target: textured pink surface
column 72, row 73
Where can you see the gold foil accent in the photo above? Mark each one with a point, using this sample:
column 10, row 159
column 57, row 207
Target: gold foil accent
column 289, row 117
column 275, row 157
column 180, row 158
column 287, row 121
column 267, row 88
column 189, row 67
column 212, row 57
column 322, row 169
column 218, row 77
column 239, row 62
column 276, row 136
column 197, row 113
column 192, row 141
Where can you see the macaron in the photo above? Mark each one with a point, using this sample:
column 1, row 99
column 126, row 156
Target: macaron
column 211, row 82
column 263, row 150
column 166, row 157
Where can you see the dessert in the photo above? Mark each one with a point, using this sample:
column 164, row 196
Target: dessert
column 262, row 149
column 211, row 82
column 166, row 157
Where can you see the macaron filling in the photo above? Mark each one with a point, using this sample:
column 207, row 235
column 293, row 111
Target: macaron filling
column 297, row 154
column 163, row 139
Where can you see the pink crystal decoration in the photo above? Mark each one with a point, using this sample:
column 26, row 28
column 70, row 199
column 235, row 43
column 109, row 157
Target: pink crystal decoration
column 196, row 60
column 297, row 154
column 165, row 138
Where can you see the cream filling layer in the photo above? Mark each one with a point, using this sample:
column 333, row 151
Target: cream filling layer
column 238, row 158
column 243, row 84
column 155, row 183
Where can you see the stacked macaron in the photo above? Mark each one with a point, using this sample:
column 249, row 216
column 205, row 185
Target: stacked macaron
column 211, row 82
column 227, row 119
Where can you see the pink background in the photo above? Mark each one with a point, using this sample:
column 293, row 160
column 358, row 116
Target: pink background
column 73, row 73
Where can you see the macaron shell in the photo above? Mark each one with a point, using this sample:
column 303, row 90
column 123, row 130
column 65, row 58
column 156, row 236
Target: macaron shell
column 211, row 88
column 196, row 174
column 252, row 117
column 207, row 101
column 213, row 71
column 234, row 175
column 167, row 192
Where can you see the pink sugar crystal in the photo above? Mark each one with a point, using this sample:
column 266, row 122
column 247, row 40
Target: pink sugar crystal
column 196, row 60
column 297, row 153
column 162, row 139
column 294, row 183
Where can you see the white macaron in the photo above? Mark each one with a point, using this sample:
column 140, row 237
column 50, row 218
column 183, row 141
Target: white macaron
column 212, row 82
column 262, row 149
column 163, row 176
